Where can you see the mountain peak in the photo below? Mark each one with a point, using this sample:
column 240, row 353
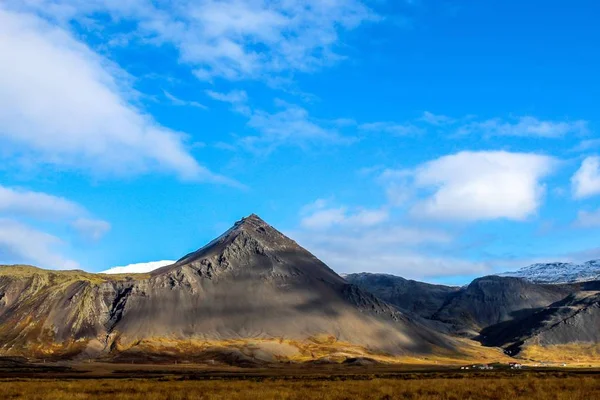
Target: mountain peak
column 250, row 234
column 251, row 220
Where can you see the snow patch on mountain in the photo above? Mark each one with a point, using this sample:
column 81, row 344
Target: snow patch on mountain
column 138, row 268
column 558, row 272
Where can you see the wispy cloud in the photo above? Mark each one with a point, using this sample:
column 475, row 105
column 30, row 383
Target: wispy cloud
column 63, row 104
column 588, row 219
column 15, row 201
column 19, row 208
column 289, row 124
column 93, row 229
column 356, row 239
column 20, row 243
column 526, row 126
column 586, row 181
column 238, row 99
column 18, row 203
column 231, row 39
column 588, row 144
column 179, row 102
column 292, row 124
column 437, row 119
column 320, row 215
column 405, row 251
column 392, row 128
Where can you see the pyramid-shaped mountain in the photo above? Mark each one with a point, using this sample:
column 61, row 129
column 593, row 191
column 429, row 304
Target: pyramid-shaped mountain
column 251, row 283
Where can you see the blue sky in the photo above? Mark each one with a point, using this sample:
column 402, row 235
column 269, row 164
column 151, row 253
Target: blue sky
column 436, row 140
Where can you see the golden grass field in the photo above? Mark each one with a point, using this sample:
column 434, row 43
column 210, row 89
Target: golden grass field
column 497, row 386
column 576, row 354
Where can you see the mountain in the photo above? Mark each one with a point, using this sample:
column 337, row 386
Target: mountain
column 539, row 321
column 420, row 298
column 492, row 299
column 250, row 285
column 138, row 268
column 559, row 272
column 574, row 319
column 466, row 310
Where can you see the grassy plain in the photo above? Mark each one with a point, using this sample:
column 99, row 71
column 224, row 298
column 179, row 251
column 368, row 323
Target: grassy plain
column 578, row 354
column 302, row 382
column 462, row 387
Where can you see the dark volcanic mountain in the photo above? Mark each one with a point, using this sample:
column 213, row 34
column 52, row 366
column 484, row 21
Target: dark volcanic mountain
column 486, row 302
column 492, row 299
column 421, row 298
column 250, row 283
column 513, row 313
column 574, row 319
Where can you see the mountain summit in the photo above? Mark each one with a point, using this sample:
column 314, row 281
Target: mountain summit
column 250, row 283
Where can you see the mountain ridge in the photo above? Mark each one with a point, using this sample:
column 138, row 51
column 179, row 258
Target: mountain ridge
column 558, row 272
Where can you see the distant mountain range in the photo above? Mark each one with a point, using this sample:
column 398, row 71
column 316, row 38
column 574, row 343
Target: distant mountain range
column 253, row 295
column 558, row 272
column 515, row 314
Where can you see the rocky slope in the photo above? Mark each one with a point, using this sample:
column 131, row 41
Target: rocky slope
column 490, row 300
column 559, row 272
column 507, row 312
column 250, row 283
column 420, row 298
column 574, row 319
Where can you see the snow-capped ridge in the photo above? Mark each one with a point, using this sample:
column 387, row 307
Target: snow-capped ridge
column 559, row 272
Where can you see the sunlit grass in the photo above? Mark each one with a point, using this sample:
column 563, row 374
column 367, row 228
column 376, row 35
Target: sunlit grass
column 571, row 354
column 520, row 387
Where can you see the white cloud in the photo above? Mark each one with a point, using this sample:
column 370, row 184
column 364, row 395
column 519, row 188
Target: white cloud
column 42, row 206
column 93, row 229
column 233, row 97
column 587, row 144
column 586, row 181
column 290, row 125
column 180, row 102
column 238, row 99
column 231, row 39
column 485, row 185
column 138, row 268
column 588, row 219
column 37, row 204
column 392, row 128
column 436, row 119
column 20, row 243
column 399, row 189
column 359, row 240
column 63, row 104
column 388, row 249
column 324, row 218
column 526, row 126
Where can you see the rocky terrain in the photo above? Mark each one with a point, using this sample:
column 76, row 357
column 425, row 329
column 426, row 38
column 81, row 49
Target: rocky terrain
column 490, row 300
column 421, row 298
column 507, row 312
column 250, row 283
column 574, row 319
